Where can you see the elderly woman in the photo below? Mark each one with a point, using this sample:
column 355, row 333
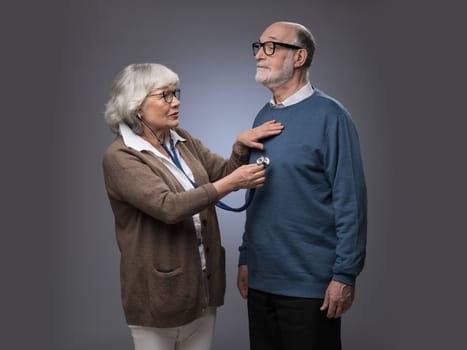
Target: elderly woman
column 162, row 185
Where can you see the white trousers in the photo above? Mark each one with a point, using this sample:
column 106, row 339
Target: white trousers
column 196, row 335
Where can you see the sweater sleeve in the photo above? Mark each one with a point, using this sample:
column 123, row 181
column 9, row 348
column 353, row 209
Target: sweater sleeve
column 242, row 260
column 344, row 169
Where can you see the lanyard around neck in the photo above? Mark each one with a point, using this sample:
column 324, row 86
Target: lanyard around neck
column 174, row 157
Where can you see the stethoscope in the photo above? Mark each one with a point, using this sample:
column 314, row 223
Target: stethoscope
column 261, row 160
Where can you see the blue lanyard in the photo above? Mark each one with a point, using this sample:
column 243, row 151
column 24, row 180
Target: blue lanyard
column 173, row 155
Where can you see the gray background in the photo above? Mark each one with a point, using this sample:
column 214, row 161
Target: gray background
column 397, row 66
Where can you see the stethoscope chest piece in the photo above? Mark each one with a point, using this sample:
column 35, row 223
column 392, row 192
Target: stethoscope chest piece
column 263, row 160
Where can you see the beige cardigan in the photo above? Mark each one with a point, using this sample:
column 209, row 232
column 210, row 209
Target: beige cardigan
column 162, row 284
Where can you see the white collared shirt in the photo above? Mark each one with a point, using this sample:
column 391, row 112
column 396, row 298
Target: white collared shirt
column 136, row 142
column 303, row 93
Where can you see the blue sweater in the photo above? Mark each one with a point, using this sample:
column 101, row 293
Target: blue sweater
column 307, row 224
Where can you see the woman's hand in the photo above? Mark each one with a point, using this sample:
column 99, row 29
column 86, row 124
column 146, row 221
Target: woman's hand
column 245, row 176
column 250, row 138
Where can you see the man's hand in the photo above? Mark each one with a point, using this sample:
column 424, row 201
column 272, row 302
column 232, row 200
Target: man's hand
column 338, row 299
column 242, row 281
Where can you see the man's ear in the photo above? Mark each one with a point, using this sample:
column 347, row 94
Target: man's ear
column 300, row 58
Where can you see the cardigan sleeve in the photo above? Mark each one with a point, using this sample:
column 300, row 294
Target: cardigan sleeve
column 129, row 179
column 216, row 166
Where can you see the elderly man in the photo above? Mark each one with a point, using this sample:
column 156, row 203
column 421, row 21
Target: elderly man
column 305, row 232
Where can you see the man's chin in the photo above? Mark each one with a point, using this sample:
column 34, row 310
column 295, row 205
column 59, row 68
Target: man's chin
column 260, row 79
column 265, row 82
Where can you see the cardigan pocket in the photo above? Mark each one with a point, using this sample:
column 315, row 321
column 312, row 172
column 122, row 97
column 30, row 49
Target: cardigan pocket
column 167, row 272
column 170, row 292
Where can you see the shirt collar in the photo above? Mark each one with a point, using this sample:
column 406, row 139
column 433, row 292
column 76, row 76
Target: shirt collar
column 138, row 143
column 303, row 93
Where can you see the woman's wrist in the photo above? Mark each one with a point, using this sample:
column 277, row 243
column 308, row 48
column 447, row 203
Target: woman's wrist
column 240, row 149
column 224, row 186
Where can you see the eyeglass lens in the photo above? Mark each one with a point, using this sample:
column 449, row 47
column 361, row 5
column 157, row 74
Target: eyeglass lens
column 269, row 47
column 169, row 95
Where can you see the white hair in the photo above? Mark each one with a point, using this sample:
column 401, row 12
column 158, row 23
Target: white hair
column 129, row 89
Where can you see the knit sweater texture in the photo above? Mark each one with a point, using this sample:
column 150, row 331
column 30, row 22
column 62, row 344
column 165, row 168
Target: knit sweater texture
column 307, row 224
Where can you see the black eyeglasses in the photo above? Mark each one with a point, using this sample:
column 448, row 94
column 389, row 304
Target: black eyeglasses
column 269, row 47
column 168, row 96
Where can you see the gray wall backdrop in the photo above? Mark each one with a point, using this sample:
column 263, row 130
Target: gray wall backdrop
column 396, row 65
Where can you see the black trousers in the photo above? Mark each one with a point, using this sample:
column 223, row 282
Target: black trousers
column 279, row 322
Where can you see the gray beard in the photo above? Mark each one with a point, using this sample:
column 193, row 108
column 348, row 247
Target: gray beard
column 279, row 78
